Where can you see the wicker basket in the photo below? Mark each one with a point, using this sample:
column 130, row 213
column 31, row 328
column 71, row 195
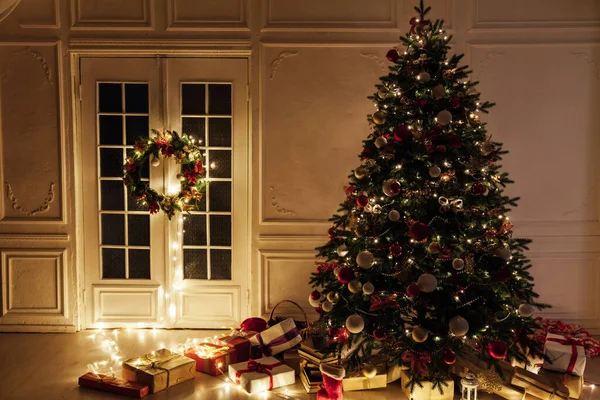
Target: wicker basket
column 304, row 327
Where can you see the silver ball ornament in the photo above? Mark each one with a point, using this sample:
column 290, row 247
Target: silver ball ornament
column 458, row 264
column 369, row 371
column 424, row 77
column 503, row 253
column 526, row 310
column 365, row 259
column 427, row 283
column 459, row 326
column 368, row 288
column 354, row 286
column 435, row 171
column 486, row 148
column 355, row 323
column 394, row 215
column 438, row 92
column 155, row 162
column 327, row 306
column 342, row 250
column 444, row 117
column 380, row 142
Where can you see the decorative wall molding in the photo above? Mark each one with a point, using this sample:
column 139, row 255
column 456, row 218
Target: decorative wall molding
column 7, row 7
column 485, row 62
column 383, row 66
column 193, row 307
column 275, row 204
column 41, row 209
column 229, row 16
column 117, row 304
column 283, row 238
column 119, row 20
column 30, row 17
column 33, row 238
column 275, row 64
column 593, row 64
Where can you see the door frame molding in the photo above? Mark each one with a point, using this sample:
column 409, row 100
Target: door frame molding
column 80, row 48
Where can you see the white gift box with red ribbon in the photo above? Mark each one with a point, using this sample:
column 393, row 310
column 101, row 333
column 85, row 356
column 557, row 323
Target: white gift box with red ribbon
column 566, row 355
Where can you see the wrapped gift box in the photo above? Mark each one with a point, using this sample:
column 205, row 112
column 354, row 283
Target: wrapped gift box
column 572, row 382
column 539, row 385
column 277, row 339
column 427, row 392
column 263, row 374
column 113, row 384
column 211, row 358
column 358, row 381
column 566, row 356
column 240, row 341
column 292, row 359
column 159, row 369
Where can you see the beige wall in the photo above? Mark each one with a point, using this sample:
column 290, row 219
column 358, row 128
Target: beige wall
column 313, row 64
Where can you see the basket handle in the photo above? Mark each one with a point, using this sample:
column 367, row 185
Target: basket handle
column 303, row 332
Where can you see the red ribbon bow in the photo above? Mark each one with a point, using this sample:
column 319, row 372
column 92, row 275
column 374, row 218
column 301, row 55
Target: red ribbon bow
column 418, row 26
column 573, row 343
column 377, row 303
column 255, row 366
column 418, row 363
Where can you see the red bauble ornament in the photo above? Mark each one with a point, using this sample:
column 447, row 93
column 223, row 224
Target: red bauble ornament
column 332, row 332
column 362, row 200
column 454, row 102
column 319, row 310
column 402, row 133
column 478, row 189
column 315, row 295
column 440, row 148
column 342, row 335
column 395, row 187
column 393, row 55
column 419, row 231
column 446, row 252
column 332, row 232
column 379, row 334
column 449, row 357
column 345, row 275
column 413, row 290
column 396, row 250
column 349, row 189
column 497, row 349
column 454, row 141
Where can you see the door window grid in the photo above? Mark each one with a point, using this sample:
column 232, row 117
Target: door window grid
column 124, row 227
column 206, row 115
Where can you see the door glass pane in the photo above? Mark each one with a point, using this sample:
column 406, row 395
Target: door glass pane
column 111, row 195
column 219, row 132
column 139, row 264
column 139, row 230
column 220, row 196
column 136, row 98
column 136, row 127
column 220, row 264
column 195, row 230
column 194, row 264
column 219, row 163
column 110, row 98
column 219, row 99
column 195, row 127
column 113, row 263
column 111, row 163
column 111, row 129
column 113, row 229
column 193, row 99
column 220, row 230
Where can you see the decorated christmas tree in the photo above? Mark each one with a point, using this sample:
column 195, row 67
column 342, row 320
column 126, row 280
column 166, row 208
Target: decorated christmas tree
column 421, row 260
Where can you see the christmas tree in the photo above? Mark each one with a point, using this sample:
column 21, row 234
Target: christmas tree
column 421, row 260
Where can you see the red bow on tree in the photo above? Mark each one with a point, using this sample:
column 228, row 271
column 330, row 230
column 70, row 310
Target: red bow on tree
column 418, row 26
column 377, row 303
column 418, row 363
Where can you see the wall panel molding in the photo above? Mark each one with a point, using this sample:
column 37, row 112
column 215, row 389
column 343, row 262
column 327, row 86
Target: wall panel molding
column 191, row 15
column 33, row 238
column 212, row 307
column 101, row 15
column 39, row 14
column 118, row 304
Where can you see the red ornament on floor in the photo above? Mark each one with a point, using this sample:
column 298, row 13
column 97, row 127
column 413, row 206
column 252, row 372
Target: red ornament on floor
column 497, row 349
column 345, row 275
column 419, row 231
column 393, row 55
column 449, row 357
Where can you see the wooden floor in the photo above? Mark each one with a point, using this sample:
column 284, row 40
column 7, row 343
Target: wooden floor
column 46, row 366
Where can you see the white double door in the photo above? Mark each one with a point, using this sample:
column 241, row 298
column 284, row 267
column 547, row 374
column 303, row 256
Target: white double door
column 145, row 270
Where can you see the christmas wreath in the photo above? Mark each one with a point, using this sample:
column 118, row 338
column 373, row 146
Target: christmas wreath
column 191, row 178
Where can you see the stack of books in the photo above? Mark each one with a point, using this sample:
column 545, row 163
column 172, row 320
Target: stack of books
column 316, row 354
column 311, row 377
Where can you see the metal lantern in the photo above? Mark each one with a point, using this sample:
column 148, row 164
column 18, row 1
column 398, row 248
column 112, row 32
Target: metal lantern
column 469, row 387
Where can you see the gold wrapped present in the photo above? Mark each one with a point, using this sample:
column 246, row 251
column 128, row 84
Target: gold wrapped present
column 159, row 369
column 358, row 381
column 572, row 382
column 427, row 392
column 539, row 385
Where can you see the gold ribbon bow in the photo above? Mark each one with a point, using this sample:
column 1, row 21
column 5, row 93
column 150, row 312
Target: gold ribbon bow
column 450, row 205
column 154, row 362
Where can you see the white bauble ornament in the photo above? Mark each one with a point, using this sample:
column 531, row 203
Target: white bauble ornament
column 387, row 188
column 369, row 370
column 355, row 323
column 313, row 302
column 365, row 259
column 486, row 148
column 155, row 162
column 458, row 264
column 419, row 334
column 526, row 310
column 434, row 248
column 342, row 250
column 333, row 297
column 459, row 326
column 327, row 306
column 382, row 93
column 435, row 171
column 438, row 91
column 394, row 215
column 444, row 117
column 380, row 142
column 354, row 286
column 503, row 253
column 427, row 283
column 424, row 77
column 368, row 288
column 336, row 270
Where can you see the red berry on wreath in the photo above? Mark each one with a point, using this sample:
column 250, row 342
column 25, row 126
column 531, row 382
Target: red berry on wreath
column 332, row 232
column 345, row 275
column 497, row 349
column 379, row 334
column 362, row 200
column 419, row 231
column 315, row 295
column 413, row 290
column 478, row 189
column 396, row 250
column 402, row 133
column 449, row 357
column 393, row 55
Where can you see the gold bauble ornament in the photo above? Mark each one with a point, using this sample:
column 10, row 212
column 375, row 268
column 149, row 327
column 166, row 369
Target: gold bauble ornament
column 361, row 172
column 368, row 288
column 382, row 93
column 342, row 250
column 333, row 297
column 327, row 306
column 459, row 326
column 355, row 323
column 435, row 171
column 155, row 162
column 354, row 286
column 419, row 334
column 438, row 92
column 365, row 259
column 394, row 215
column 444, row 117
column 380, row 142
column 486, row 148
column 424, row 77
column 379, row 117
column 458, row 264
column 434, row 248
column 526, row 310
column 427, row 283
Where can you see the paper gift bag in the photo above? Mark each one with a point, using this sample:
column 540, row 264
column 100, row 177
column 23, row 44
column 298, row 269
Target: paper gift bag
column 263, row 374
column 159, row 369
column 565, row 354
column 277, row 338
column 211, row 358
column 113, row 384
